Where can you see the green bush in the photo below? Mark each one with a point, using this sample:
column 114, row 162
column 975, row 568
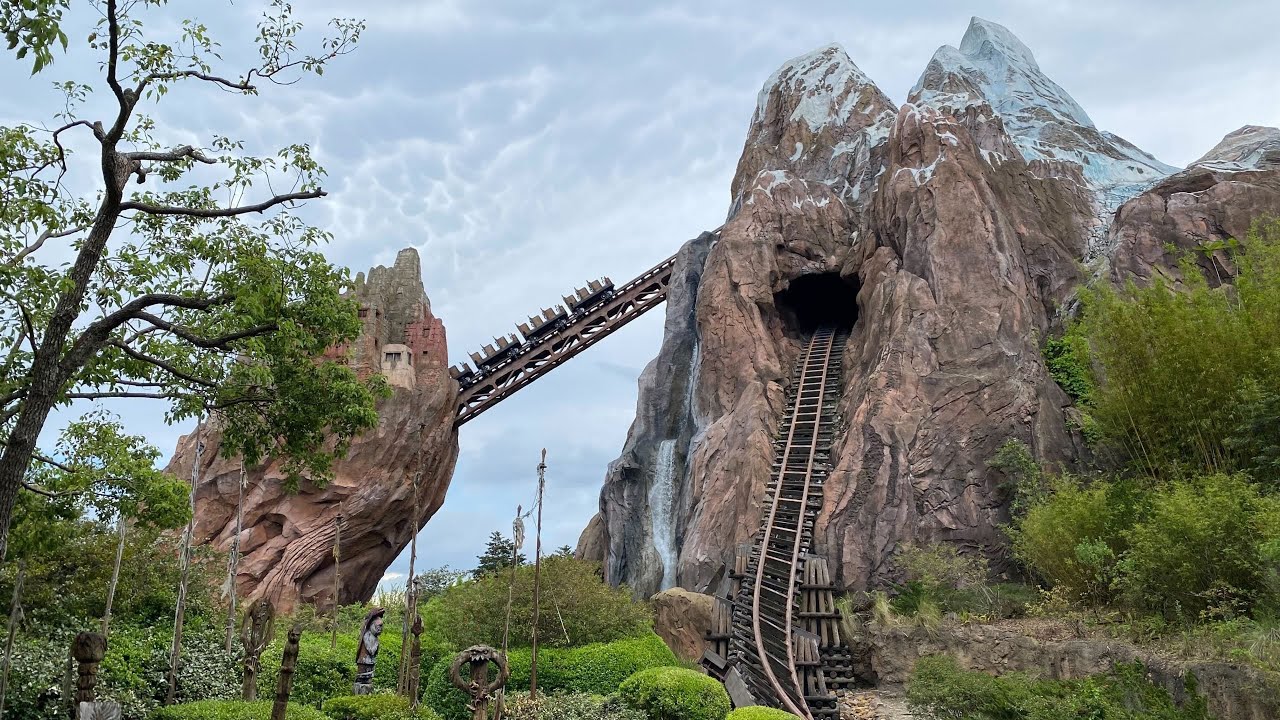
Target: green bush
column 233, row 710
column 675, row 694
column 596, row 669
column 1072, row 537
column 759, row 713
column 578, row 607
column 1199, row 549
column 1180, row 370
column 569, row 706
column 383, row 706
column 940, row 689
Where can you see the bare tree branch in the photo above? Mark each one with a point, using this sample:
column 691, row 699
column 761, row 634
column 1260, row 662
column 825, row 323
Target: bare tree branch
column 156, row 362
column 121, row 394
column 178, row 153
column 44, row 236
column 220, row 212
column 217, row 343
column 113, row 51
column 239, row 85
column 95, row 336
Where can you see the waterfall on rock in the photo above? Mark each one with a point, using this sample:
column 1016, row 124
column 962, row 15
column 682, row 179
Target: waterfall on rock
column 662, row 511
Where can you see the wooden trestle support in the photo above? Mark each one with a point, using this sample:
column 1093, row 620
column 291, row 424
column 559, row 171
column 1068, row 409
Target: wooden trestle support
column 775, row 630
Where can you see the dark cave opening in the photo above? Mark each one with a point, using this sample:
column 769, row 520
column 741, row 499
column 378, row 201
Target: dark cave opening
column 814, row 301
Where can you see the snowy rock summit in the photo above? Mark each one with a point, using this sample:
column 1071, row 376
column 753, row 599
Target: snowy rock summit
column 994, row 67
column 1252, row 147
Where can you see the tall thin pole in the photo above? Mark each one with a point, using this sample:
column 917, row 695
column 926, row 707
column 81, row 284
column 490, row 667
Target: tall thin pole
column 517, row 539
column 233, row 563
column 337, row 578
column 115, row 575
column 410, row 594
column 537, row 571
column 184, row 563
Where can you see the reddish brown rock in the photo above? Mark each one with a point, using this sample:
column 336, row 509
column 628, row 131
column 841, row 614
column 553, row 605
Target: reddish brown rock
column 287, row 540
column 1185, row 213
column 682, row 619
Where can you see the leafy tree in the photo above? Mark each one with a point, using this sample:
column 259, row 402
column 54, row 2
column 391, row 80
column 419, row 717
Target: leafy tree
column 497, row 555
column 204, row 291
column 564, row 551
column 435, row 581
column 1184, row 377
column 578, row 607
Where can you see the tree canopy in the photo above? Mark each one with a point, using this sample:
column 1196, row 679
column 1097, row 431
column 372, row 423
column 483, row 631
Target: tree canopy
column 186, row 277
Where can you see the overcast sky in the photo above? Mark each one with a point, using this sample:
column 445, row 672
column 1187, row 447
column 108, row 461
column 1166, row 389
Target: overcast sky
column 525, row 147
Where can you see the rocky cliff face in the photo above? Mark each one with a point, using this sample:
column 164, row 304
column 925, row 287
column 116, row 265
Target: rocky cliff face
column 287, row 539
column 948, row 231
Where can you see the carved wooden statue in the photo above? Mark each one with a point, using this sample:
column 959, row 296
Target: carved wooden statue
column 88, row 649
column 415, row 660
column 255, row 635
column 478, row 686
column 285, row 685
column 367, row 655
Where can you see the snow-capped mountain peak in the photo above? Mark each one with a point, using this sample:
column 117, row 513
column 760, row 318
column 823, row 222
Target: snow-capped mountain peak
column 993, row 67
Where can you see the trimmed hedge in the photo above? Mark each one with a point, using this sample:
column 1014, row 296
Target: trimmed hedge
column 569, row 706
column 232, row 710
column 597, row 669
column 673, row 693
column 382, row 706
column 760, row 713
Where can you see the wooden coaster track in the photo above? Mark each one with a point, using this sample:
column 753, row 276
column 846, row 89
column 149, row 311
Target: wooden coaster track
column 784, row 624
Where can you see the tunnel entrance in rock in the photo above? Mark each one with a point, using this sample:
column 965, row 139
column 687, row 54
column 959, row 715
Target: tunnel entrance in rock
column 814, row 301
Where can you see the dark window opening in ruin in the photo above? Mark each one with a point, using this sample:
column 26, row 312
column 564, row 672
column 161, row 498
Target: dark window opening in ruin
column 814, row 301
column 362, row 312
column 393, row 359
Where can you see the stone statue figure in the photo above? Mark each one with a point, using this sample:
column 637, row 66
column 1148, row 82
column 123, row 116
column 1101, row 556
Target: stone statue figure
column 367, row 655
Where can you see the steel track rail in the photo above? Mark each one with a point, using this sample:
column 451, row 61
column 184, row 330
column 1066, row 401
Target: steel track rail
column 807, row 390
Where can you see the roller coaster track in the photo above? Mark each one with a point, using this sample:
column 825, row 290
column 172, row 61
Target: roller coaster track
column 780, row 661
column 581, row 331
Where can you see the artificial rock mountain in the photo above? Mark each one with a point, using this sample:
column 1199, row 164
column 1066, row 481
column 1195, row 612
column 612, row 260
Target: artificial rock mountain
column 951, row 230
column 286, row 541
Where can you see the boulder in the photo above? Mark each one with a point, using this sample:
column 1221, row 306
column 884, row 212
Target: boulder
column 682, row 619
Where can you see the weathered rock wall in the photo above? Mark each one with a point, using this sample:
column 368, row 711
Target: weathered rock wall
column 287, row 539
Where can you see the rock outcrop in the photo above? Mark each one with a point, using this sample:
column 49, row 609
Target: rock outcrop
column 287, row 539
column 682, row 619
column 950, row 232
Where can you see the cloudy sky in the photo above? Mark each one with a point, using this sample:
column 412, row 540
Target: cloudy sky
column 525, row 147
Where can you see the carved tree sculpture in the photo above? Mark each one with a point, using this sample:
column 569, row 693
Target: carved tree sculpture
column 88, row 649
column 367, row 655
column 255, row 635
column 285, row 685
column 478, row 686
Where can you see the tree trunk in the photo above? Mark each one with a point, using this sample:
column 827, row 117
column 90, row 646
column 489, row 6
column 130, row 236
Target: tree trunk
column 15, row 609
column 184, row 563
column 115, row 576
column 49, row 368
